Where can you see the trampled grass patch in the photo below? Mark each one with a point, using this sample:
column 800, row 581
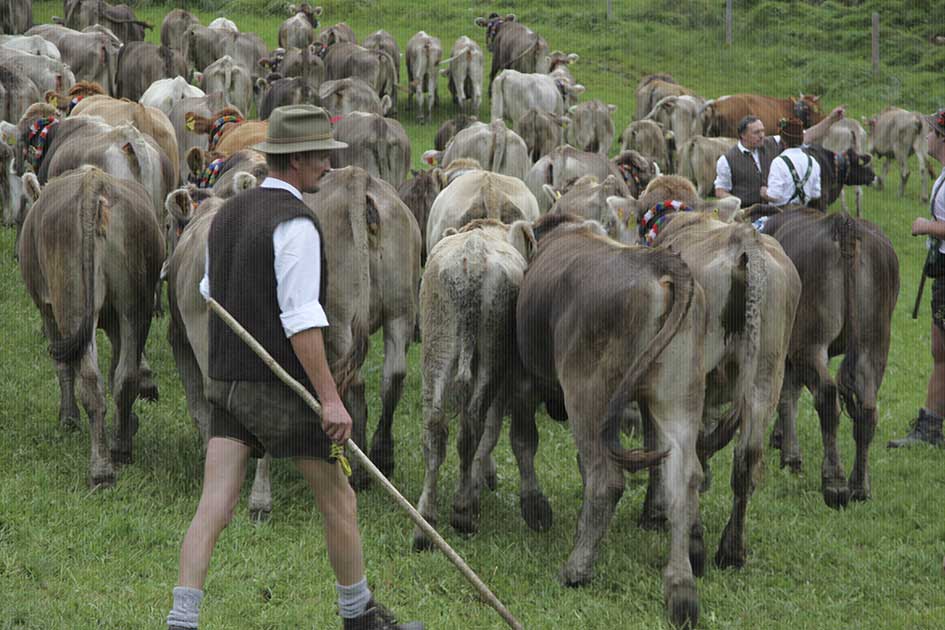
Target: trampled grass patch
column 75, row 559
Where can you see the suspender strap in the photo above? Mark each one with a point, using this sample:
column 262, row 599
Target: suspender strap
column 798, row 183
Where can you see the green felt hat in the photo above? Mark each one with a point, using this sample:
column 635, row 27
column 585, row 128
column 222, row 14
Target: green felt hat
column 298, row 128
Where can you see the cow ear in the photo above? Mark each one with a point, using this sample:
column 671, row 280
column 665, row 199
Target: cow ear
column 522, row 238
column 481, row 21
column 243, row 181
column 317, row 11
column 266, row 63
column 510, row 17
column 552, row 194
column 261, row 84
column 385, row 103
column 611, row 108
column 31, row 187
column 727, row 208
column 196, row 160
column 432, row 157
column 52, row 98
column 577, row 89
column 293, row 9
column 179, row 205
column 450, row 231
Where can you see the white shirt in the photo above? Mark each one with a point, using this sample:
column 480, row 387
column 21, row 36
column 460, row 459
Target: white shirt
column 723, row 170
column 938, row 203
column 297, row 267
column 781, row 189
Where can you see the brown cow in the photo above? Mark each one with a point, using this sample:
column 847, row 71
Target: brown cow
column 513, row 46
column 649, row 351
column 897, row 134
column 850, row 277
column 377, row 144
column 298, row 31
column 141, row 63
column 228, row 130
column 174, row 28
column 90, row 255
column 719, row 117
column 419, row 193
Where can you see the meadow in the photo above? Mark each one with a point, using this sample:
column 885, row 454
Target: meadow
column 71, row 558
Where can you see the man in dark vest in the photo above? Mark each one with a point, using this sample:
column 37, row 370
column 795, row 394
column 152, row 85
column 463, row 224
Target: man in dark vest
column 266, row 266
column 743, row 170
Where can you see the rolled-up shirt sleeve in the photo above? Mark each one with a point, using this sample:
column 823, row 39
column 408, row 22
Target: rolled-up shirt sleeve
column 297, row 249
column 723, row 174
column 205, row 281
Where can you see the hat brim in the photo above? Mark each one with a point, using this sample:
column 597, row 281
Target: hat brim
column 933, row 123
column 299, row 147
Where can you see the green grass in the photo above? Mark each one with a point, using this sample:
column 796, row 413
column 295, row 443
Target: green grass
column 71, row 559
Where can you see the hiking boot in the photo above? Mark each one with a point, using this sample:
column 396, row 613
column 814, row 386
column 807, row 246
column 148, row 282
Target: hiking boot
column 376, row 617
column 926, row 428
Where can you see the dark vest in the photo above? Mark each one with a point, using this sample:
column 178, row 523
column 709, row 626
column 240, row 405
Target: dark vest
column 243, row 280
column 746, row 180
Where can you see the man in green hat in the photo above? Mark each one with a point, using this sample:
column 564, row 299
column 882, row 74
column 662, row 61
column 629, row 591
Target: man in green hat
column 267, row 267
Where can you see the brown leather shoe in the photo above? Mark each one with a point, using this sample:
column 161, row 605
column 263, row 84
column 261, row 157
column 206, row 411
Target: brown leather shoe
column 376, row 617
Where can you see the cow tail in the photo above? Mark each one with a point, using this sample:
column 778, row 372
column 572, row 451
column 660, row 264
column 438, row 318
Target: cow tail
column 345, row 369
column 463, row 284
column 846, row 234
column 500, row 139
column 382, row 148
column 93, row 219
column 683, row 288
column 498, row 105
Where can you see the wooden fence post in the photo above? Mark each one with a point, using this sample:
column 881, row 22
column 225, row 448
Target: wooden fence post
column 728, row 22
column 610, row 10
column 875, row 56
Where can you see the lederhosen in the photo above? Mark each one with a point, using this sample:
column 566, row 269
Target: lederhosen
column 938, row 284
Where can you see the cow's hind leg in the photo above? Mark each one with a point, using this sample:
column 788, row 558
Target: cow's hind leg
column 356, row 404
column 827, row 404
column 784, row 434
column 260, row 497
column 68, row 408
column 397, row 335
column 653, row 516
column 435, row 435
column 128, row 344
column 858, row 389
column 903, row 159
column 523, row 435
column 92, row 393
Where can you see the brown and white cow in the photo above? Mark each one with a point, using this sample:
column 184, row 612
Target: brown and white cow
column 513, row 46
column 424, row 53
column 479, row 194
column 298, row 31
column 90, row 56
column 850, row 277
column 649, row 351
column 90, row 255
column 752, row 292
column 352, row 95
column 720, row 117
column 465, row 75
column 377, row 144
column 467, row 310
column 494, row 146
column 895, row 134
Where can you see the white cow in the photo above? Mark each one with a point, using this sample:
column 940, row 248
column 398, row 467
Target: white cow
column 465, row 75
column 514, row 93
column 165, row 93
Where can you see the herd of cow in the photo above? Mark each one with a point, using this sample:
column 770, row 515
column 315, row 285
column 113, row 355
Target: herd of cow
column 518, row 254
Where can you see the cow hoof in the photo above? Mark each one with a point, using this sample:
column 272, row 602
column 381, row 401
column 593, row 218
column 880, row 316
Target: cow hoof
column 836, row 497
column 122, row 457
column 860, row 494
column 536, row 511
column 794, row 464
column 572, row 576
column 465, row 521
column 359, row 479
column 683, row 606
column 69, row 423
column 726, row 558
column 260, row 515
column 148, row 391
column 420, row 540
column 102, row 480
column 652, row 521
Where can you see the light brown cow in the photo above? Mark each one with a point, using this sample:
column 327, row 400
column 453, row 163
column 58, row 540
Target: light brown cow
column 496, row 147
column 752, row 291
column 650, row 140
column 843, row 135
column 423, row 57
column 378, row 145
column 649, row 351
column 896, row 134
column 698, row 157
column 174, row 28
column 654, row 87
column 298, row 31
column 591, row 127
column 677, row 114
column 467, row 308
column 418, row 193
column 90, row 255
column 352, row 95
column 228, row 130
column 541, row 132
column 566, row 164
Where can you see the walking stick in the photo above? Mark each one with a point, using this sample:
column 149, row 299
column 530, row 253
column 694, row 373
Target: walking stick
column 363, row 459
column 918, row 296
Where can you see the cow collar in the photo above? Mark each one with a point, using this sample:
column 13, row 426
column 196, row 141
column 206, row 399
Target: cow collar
column 841, row 166
column 562, row 86
column 320, row 49
column 630, row 173
column 36, row 141
column 656, row 217
column 209, row 176
column 75, row 101
column 216, row 130
column 492, row 28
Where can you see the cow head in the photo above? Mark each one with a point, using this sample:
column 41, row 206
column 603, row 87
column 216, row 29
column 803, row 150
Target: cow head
column 807, row 108
column 859, row 171
column 180, row 206
column 492, row 24
column 558, row 58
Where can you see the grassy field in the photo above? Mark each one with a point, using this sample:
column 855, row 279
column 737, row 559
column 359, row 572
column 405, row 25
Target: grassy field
column 75, row 559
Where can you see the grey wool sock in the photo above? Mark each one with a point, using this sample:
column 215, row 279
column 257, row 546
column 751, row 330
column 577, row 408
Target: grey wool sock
column 353, row 600
column 186, row 608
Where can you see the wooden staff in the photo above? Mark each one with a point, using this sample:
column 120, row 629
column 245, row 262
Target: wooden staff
column 918, row 297
column 363, row 459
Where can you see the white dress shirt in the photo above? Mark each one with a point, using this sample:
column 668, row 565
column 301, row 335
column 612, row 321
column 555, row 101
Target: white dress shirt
column 723, row 171
column 781, row 189
column 938, row 203
column 297, row 267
